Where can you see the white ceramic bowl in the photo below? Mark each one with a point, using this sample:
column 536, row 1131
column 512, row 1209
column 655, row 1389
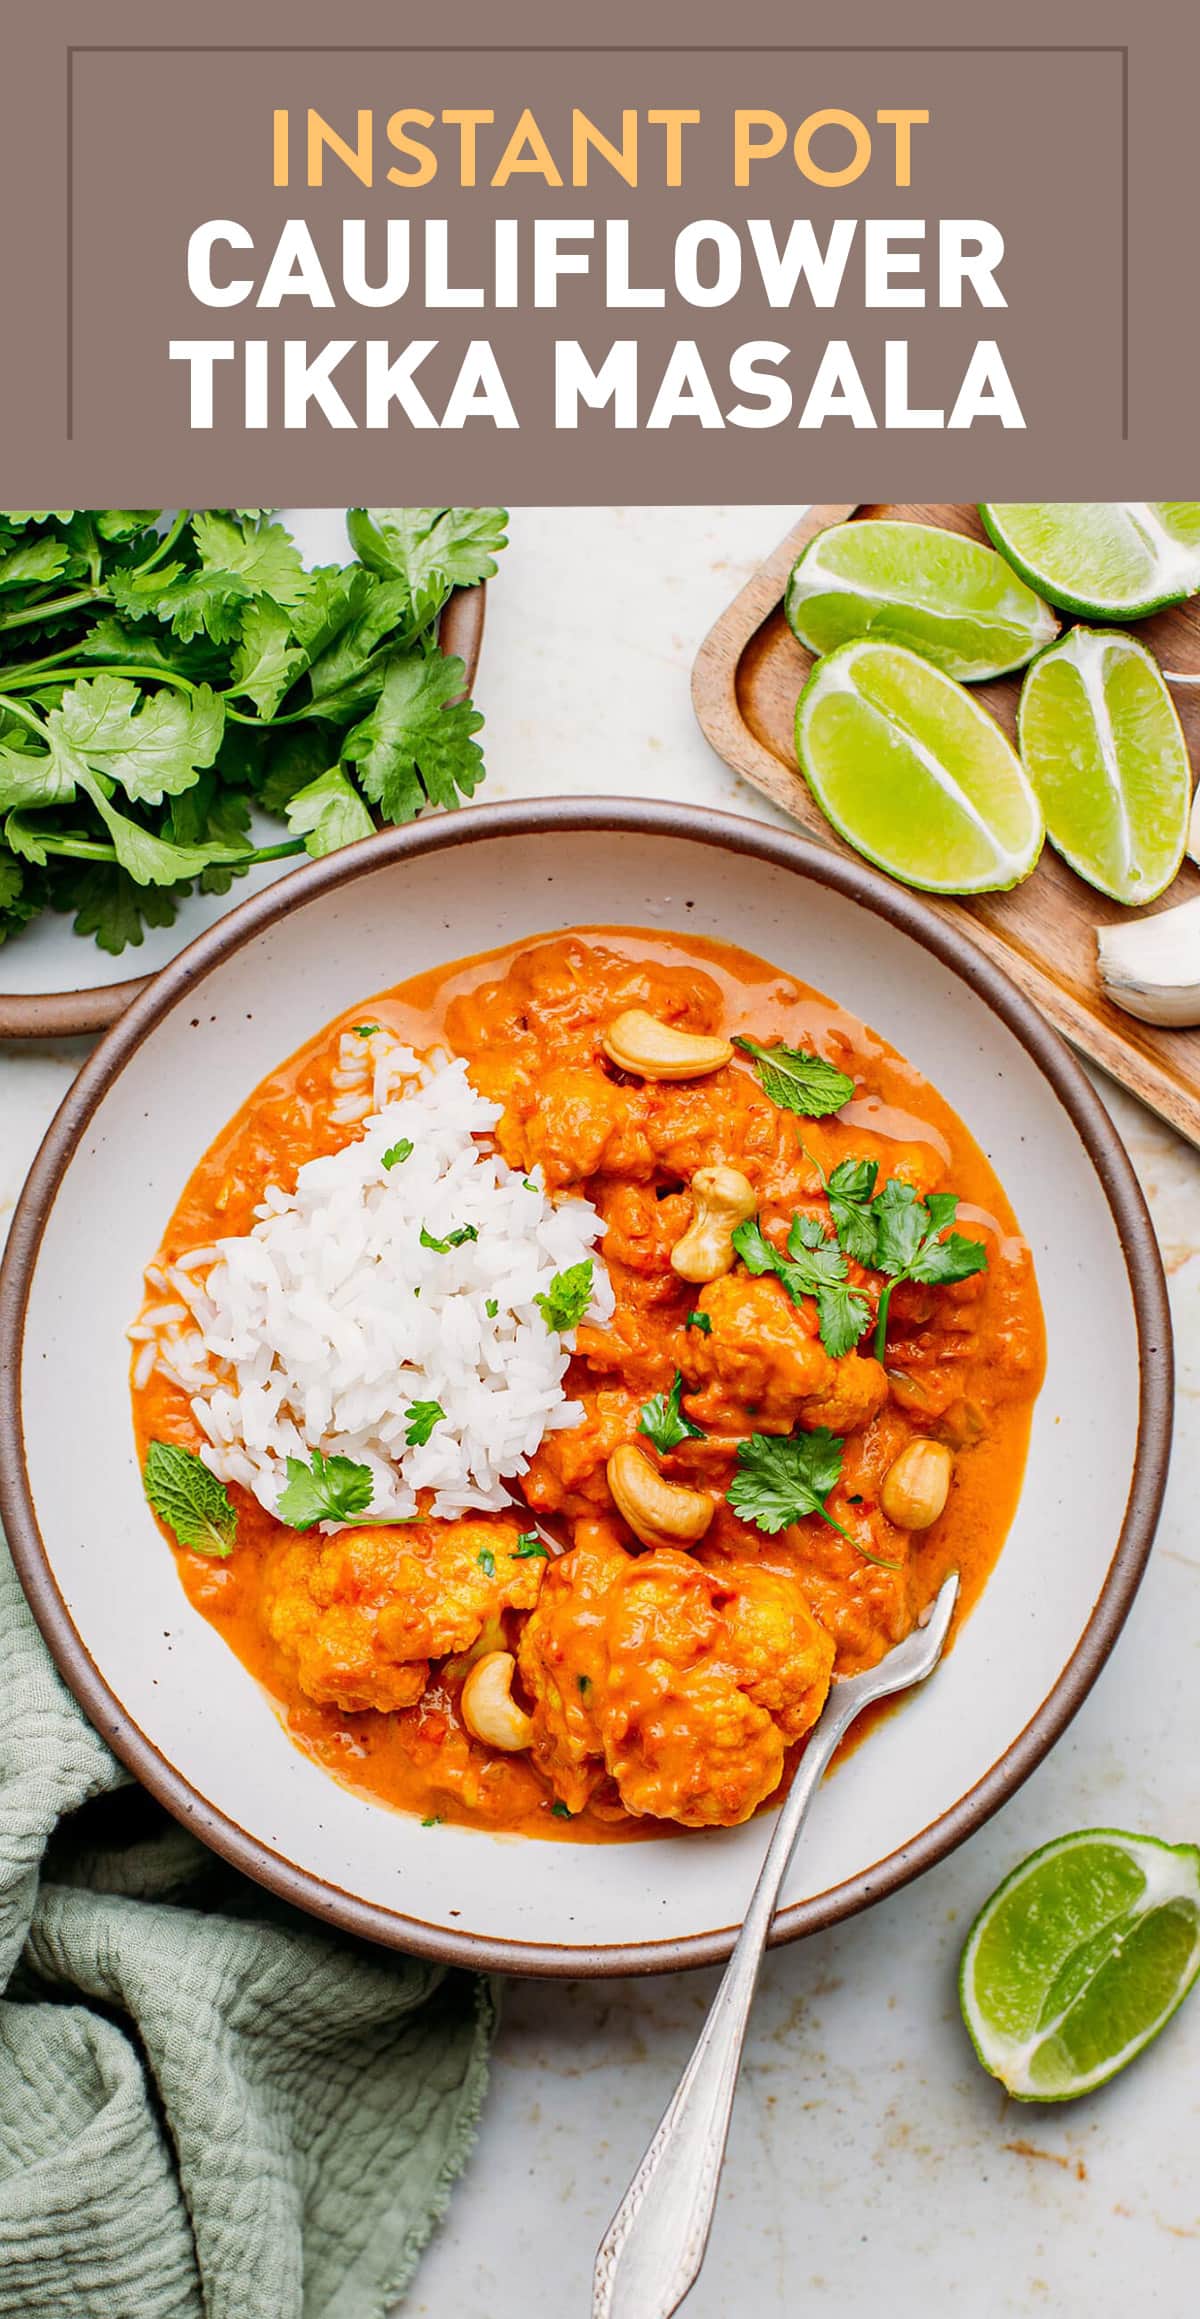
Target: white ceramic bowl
column 161, row 1684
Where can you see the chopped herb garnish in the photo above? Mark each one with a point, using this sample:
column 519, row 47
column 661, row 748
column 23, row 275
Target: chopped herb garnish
column 909, row 1246
column 190, row 1500
column 529, row 1546
column 701, row 1321
column 798, row 1081
column 585, row 1684
column 850, row 1189
column 422, row 1417
column 327, row 1489
column 783, row 1478
column 663, row 1422
column 562, row 1811
column 433, row 1820
column 813, row 1266
column 455, row 1239
column 487, row 1561
column 491, row 1308
column 398, row 1153
column 366, row 1030
column 567, row 1298
column 529, row 1184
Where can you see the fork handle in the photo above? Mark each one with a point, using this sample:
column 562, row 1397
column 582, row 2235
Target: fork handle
column 654, row 2246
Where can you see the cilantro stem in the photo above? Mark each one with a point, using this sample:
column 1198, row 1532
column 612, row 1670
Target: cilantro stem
column 881, row 1321
column 116, row 668
column 85, row 849
column 50, row 607
column 24, row 716
column 167, row 542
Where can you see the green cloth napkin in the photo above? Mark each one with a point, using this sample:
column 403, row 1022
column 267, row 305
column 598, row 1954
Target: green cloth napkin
column 209, row 2109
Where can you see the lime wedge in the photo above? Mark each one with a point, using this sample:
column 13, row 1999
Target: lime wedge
column 914, row 774
column 952, row 600
column 1109, row 560
column 1104, row 749
column 1079, row 1959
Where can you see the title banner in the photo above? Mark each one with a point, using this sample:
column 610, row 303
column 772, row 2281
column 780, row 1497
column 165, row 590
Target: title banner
column 592, row 272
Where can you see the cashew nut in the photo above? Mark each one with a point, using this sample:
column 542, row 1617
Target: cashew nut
column 917, row 1484
column 724, row 1199
column 659, row 1512
column 638, row 1042
column 488, row 1708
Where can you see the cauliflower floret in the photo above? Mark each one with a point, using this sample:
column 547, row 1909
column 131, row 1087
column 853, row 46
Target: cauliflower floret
column 682, row 1685
column 762, row 1367
column 363, row 1612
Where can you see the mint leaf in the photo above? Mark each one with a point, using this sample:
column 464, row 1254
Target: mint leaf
column 798, row 1081
column 327, row 1489
column 565, row 1302
column 189, row 1499
column 422, row 1417
column 661, row 1419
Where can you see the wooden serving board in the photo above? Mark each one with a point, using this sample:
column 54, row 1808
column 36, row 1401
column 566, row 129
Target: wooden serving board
column 745, row 685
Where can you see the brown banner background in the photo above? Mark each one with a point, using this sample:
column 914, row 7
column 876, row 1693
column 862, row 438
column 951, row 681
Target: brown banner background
column 1068, row 127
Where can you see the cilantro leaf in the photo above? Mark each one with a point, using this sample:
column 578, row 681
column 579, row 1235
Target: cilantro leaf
column 267, row 660
column 565, row 1302
column 662, row 1420
column 850, row 1189
column 262, row 554
column 327, row 1489
column 701, row 1321
column 783, row 1478
column 150, row 744
column 328, row 813
column 798, row 1081
column 432, row 549
column 909, row 1245
column 397, row 1153
column 813, row 1266
column 108, row 905
column 458, row 1238
column 422, row 1417
column 189, row 1499
column 417, row 743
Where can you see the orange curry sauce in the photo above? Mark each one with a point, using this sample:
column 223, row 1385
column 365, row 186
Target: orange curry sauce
column 964, row 1364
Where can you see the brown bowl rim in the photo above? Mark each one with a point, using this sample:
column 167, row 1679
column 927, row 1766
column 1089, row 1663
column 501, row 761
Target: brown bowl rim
column 73, row 1014
column 779, row 849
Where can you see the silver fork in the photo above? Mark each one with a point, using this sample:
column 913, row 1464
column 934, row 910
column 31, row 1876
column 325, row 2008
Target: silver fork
column 654, row 2246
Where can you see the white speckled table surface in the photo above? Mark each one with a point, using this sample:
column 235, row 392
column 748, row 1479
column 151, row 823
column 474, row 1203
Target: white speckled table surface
column 872, row 2164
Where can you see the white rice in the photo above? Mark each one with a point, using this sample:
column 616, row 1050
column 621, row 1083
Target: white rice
column 320, row 1327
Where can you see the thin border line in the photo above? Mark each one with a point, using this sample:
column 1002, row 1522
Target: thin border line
column 597, row 48
column 70, row 267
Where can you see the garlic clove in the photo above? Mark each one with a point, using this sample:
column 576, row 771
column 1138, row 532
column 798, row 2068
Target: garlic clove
column 1150, row 967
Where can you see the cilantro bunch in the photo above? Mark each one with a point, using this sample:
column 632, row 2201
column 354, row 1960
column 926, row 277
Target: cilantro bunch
column 163, row 683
